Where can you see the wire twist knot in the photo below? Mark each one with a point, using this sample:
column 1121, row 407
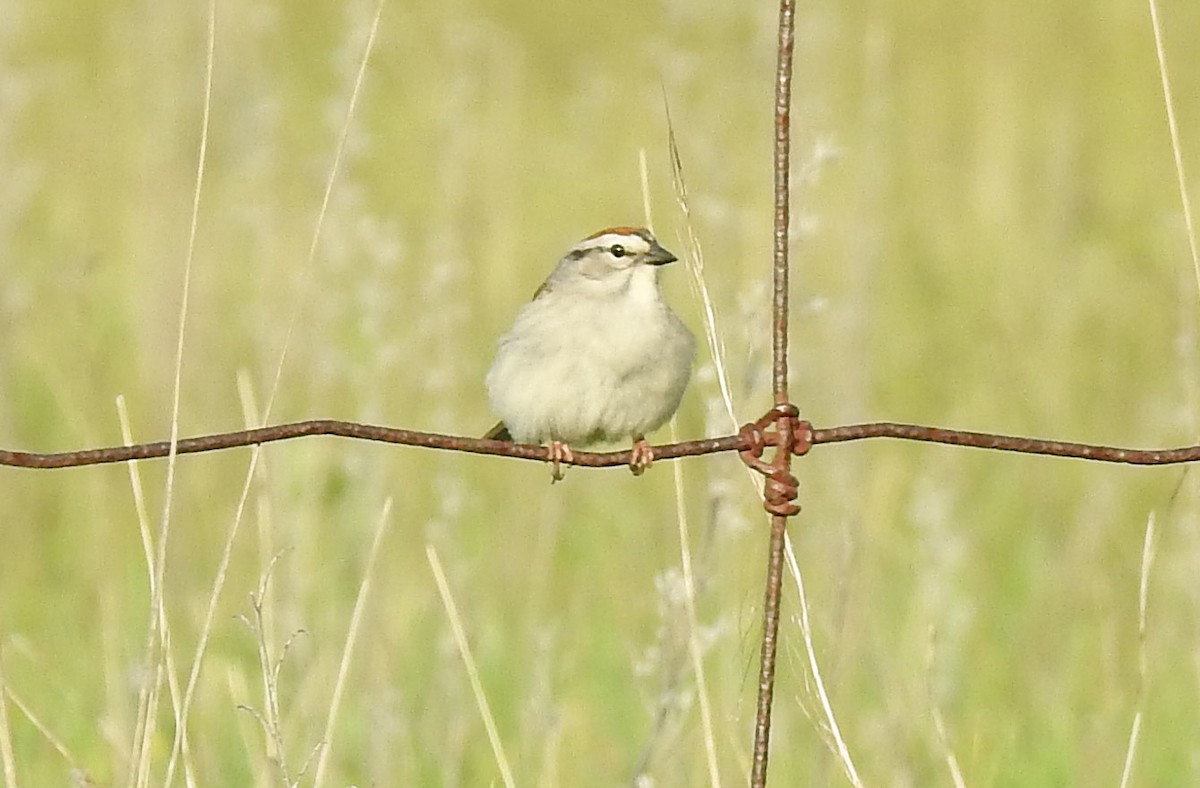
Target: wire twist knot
column 779, row 490
column 790, row 435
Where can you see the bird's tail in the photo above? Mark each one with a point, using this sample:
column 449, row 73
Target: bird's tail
column 498, row 433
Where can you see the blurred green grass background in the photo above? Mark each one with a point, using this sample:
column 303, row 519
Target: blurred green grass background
column 988, row 236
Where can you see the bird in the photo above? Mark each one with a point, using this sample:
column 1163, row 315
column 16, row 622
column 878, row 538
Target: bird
column 597, row 356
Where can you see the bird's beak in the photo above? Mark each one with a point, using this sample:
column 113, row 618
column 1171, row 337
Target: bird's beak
column 659, row 256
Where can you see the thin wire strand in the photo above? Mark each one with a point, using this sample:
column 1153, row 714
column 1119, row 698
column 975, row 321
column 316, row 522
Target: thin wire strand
column 667, row 451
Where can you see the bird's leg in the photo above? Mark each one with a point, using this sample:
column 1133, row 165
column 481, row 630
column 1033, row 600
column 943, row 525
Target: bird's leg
column 643, row 456
column 559, row 452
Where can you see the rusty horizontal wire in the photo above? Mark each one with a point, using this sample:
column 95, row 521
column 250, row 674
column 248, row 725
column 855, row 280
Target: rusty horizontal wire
column 1009, row 443
column 348, row 429
column 802, row 433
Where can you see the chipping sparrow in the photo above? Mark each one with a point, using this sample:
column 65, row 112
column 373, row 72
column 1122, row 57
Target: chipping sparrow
column 596, row 356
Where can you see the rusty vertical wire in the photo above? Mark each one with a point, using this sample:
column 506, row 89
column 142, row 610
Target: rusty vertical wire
column 783, row 150
column 783, row 455
column 770, row 643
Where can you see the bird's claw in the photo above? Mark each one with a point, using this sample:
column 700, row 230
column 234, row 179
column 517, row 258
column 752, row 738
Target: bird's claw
column 557, row 453
column 642, row 456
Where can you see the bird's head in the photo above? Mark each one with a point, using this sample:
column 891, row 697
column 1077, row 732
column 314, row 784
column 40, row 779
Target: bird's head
column 611, row 261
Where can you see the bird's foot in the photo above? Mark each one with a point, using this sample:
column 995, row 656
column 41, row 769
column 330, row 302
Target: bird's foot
column 643, row 456
column 559, row 452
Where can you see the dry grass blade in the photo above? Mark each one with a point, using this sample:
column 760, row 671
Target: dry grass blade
column 1143, row 590
column 157, row 650
column 464, row 650
column 835, row 732
column 209, row 618
column 158, row 602
column 47, row 734
column 218, row 584
column 351, row 637
column 270, row 665
column 7, row 759
column 1176, row 146
column 939, row 722
column 695, row 649
column 694, row 258
column 685, row 543
column 323, row 210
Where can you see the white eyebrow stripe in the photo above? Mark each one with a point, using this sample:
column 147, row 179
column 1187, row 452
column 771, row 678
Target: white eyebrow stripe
column 608, row 239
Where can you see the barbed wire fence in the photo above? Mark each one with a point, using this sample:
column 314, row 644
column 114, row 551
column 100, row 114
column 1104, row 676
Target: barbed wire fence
column 779, row 428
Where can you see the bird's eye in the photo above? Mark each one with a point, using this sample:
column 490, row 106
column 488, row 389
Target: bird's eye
column 616, row 250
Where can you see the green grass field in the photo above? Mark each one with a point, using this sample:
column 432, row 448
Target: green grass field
column 988, row 235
